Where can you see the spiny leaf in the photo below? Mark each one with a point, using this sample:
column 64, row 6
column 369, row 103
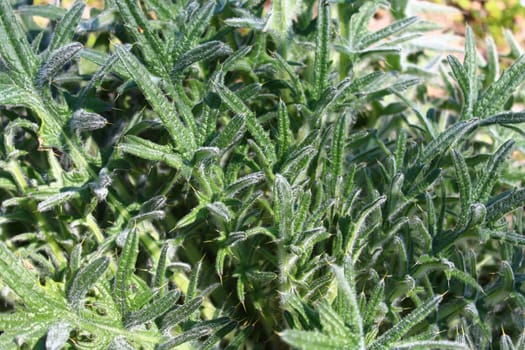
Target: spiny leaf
column 47, row 11
column 446, row 139
column 243, row 183
column 347, row 301
column 146, row 38
column 194, row 281
column 395, row 333
column 502, row 204
column 359, row 22
column 231, row 132
column 87, row 121
column 492, row 62
column 180, row 134
column 207, row 51
column 504, row 118
column 194, row 333
column 465, row 185
column 56, row 199
column 152, row 311
column 322, row 41
column 399, row 155
column 15, row 49
column 357, row 227
column 180, row 314
column 373, row 304
column 296, row 82
column 283, row 130
column 238, row 107
column 220, row 210
column 431, row 344
column 338, row 147
column 331, row 321
column 312, row 340
column 498, row 93
column 56, row 61
column 197, row 24
column 471, row 70
column 125, row 269
column 281, row 16
column 21, row 281
column 282, row 206
column 160, row 271
column 489, row 175
column 65, row 28
column 460, row 74
column 387, row 31
column 96, row 79
column 84, row 279
column 149, row 150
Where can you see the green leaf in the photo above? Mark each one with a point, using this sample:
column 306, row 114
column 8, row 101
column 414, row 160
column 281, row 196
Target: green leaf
column 84, row 279
column 338, row 147
column 197, row 23
column 96, row 79
column 408, row 322
column 283, row 130
column 87, row 121
column 47, row 11
column 359, row 224
column 15, row 49
column 464, row 184
column 125, row 269
column 331, row 322
column 231, row 132
column 56, row 61
column 194, row 281
column 255, row 129
column 192, row 334
column 391, row 29
column 446, row 139
column 160, row 271
column 243, row 183
column 431, row 344
column 220, row 210
column 152, row 311
column 322, row 41
column 146, row 38
column 281, row 16
column 57, row 199
column 282, row 207
column 502, row 204
column 180, row 314
column 203, row 52
column 492, row 62
column 471, row 70
column 347, row 301
column 312, row 340
column 179, row 133
column 373, row 304
column 494, row 98
column 504, row 118
column 489, row 174
column 65, row 28
column 149, row 150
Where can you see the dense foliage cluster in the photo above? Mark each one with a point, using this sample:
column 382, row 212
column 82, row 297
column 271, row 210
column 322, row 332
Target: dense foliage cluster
column 240, row 174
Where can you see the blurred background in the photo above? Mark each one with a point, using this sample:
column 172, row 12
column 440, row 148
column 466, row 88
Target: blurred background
column 490, row 16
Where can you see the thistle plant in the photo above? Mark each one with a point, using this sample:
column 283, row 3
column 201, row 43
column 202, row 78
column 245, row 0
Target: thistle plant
column 223, row 174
